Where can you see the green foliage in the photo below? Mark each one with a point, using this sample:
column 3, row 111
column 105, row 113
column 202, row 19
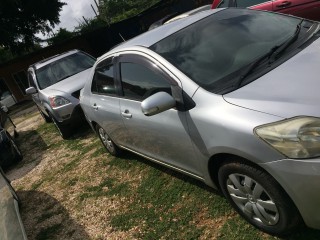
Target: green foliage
column 62, row 35
column 5, row 55
column 20, row 20
column 90, row 25
column 117, row 10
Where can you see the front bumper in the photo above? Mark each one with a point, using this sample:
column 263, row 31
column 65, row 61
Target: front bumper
column 301, row 180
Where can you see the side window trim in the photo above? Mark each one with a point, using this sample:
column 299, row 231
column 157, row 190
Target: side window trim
column 136, row 59
column 147, row 63
column 107, row 61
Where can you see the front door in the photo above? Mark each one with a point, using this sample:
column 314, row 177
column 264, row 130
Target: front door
column 164, row 136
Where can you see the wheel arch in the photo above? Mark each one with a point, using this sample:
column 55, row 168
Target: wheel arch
column 217, row 160
column 94, row 126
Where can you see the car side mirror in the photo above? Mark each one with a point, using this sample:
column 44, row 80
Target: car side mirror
column 31, row 90
column 157, row 103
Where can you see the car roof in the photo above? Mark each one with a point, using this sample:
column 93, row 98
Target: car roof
column 189, row 13
column 51, row 59
column 153, row 36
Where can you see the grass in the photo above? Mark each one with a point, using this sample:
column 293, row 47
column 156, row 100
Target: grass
column 122, row 198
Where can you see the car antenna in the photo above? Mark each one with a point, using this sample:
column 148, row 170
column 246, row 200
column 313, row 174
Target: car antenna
column 122, row 37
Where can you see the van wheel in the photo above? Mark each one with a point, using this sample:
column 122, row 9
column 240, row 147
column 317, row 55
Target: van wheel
column 258, row 198
column 111, row 147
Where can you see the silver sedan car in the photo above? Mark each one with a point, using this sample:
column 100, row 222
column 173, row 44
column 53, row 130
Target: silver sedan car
column 228, row 96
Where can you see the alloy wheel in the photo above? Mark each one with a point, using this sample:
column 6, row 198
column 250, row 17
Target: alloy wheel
column 107, row 142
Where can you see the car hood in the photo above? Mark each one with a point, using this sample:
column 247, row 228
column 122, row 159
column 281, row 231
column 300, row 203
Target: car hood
column 70, row 84
column 291, row 89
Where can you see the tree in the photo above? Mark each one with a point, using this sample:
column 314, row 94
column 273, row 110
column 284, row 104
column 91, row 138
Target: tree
column 90, row 25
column 5, row 55
column 20, row 20
column 117, row 10
column 62, row 35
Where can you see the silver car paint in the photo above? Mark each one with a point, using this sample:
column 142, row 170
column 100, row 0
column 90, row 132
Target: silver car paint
column 287, row 90
column 204, row 148
column 300, row 179
column 225, row 124
column 64, row 89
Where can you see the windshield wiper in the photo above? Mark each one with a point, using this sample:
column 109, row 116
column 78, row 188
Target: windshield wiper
column 286, row 44
column 247, row 71
column 271, row 56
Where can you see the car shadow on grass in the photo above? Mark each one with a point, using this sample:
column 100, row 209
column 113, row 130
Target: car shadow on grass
column 175, row 174
column 33, row 148
column 82, row 130
column 302, row 233
column 45, row 218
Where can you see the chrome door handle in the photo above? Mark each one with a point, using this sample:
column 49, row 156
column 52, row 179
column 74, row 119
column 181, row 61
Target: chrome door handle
column 126, row 114
column 95, row 107
column 284, row 4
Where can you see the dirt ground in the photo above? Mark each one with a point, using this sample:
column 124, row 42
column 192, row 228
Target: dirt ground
column 51, row 178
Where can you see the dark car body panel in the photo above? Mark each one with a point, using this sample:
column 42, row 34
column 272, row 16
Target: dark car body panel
column 8, row 149
column 309, row 9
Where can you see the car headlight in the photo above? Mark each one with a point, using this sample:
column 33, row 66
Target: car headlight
column 58, row 101
column 296, row 138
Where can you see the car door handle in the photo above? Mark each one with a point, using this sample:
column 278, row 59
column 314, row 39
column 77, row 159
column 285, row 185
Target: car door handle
column 95, row 107
column 126, row 114
column 284, row 4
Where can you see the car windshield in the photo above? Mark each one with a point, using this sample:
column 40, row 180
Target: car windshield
column 213, row 50
column 63, row 68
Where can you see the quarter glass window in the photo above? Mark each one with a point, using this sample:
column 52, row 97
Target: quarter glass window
column 103, row 81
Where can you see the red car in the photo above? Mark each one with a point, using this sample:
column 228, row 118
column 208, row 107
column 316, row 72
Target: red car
column 309, row 9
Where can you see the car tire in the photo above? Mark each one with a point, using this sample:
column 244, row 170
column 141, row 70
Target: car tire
column 45, row 117
column 64, row 130
column 18, row 154
column 111, row 147
column 258, row 198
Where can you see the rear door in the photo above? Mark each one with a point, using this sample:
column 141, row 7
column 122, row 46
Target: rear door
column 163, row 137
column 104, row 101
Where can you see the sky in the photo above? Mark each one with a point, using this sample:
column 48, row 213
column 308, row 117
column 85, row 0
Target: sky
column 72, row 13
